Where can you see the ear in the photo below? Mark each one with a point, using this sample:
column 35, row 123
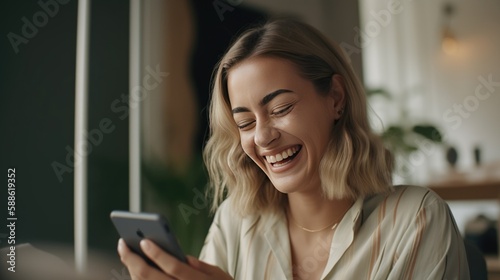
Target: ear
column 338, row 95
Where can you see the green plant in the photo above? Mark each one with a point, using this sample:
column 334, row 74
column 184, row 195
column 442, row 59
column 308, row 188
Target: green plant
column 403, row 138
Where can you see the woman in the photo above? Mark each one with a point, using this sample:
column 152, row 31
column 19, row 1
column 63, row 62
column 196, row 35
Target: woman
column 308, row 184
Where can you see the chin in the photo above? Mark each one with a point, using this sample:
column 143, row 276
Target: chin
column 285, row 187
column 285, row 190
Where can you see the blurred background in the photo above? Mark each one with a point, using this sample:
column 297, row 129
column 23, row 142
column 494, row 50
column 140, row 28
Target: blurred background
column 430, row 69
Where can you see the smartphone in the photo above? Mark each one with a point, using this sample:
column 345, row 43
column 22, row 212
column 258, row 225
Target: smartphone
column 133, row 227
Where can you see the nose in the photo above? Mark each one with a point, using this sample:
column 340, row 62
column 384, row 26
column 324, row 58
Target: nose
column 265, row 134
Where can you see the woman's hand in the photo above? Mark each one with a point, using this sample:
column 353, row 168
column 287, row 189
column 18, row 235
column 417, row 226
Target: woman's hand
column 170, row 267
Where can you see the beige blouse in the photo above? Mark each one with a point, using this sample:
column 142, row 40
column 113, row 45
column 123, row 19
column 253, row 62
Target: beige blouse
column 407, row 234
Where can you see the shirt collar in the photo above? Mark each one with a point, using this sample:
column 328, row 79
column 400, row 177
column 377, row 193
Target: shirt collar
column 276, row 235
column 278, row 239
column 344, row 234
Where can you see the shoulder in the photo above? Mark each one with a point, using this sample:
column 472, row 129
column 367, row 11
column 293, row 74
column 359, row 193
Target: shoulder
column 229, row 221
column 416, row 229
column 226, row 213
column 405, row 201
column 411, row 196
column 408, row 212
column 221, row 238
column 226, row 235
column 225, row 219
column 415, row 195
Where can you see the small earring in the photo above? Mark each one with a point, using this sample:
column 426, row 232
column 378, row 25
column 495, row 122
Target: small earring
column 341, row 111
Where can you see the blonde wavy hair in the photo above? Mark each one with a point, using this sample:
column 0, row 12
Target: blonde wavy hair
column 355, row 164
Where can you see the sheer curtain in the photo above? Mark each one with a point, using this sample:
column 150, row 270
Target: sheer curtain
column 398, row 39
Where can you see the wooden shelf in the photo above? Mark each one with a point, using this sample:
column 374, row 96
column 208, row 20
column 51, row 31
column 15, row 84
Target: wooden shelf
column 467, row 190
column 493, row 265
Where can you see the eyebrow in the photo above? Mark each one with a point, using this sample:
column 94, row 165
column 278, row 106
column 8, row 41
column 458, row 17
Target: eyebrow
column 264, row 101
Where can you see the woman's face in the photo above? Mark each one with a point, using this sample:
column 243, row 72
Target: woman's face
column 284, row 123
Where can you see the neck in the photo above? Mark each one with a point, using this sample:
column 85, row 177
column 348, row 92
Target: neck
column 313, row 211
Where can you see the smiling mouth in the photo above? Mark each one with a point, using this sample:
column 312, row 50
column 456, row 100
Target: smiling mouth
column 284, row 157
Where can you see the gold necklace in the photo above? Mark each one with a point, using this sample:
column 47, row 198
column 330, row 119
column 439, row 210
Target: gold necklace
column 333, row 225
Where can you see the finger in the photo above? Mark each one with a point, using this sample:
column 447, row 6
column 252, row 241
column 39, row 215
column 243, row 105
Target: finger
column 201, row 266
column 168, row 263
column 213, row 272
column 137, row 266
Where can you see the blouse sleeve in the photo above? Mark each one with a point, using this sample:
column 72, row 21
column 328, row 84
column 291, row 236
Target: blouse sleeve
column 219, row 240
column 431, row 247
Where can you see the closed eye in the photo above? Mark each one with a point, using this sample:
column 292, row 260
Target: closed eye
column 282, row 111
column 245, row 125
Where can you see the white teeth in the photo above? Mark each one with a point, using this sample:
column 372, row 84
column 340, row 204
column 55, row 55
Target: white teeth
column 281, row 156
column 271, row 159
column 284, row 154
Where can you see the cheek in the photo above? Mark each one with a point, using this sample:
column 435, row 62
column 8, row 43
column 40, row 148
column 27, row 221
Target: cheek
column 246, row 143
column 248, row 146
